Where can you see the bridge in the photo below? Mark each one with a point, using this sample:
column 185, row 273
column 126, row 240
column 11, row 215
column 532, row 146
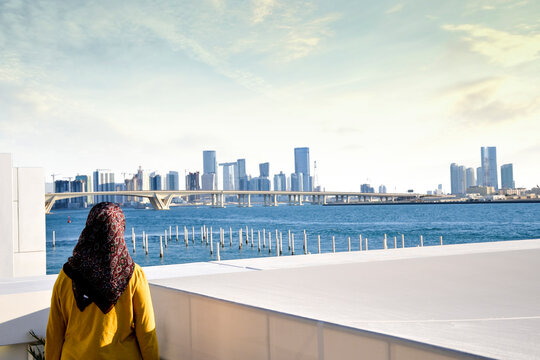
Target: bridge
column 161, row 199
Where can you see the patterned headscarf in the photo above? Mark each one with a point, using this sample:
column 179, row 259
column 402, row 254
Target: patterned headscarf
column 101, row 266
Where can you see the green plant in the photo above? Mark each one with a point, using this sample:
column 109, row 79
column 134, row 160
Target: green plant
column 35, row 348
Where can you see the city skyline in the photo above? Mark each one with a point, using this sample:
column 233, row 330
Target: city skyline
column 382, row 93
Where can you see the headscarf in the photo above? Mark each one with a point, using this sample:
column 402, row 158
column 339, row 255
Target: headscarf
column 101, row 266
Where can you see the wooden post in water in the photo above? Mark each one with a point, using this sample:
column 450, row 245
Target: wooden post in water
column 176, row 233
column 269, row 242
column 367, row 248
column 53, row 239
column 206, row 236
column 251, row 237
column 289, row 239
column 259, row 235
column 193, row 234
column 170, row 232
column 280, row 243
column 421, row 240
column 240, row 238
column 305, row 242
column 440, row 238
column 349, row 243
column 395, row 242
column 211, row 242
column 247, row 235
column 333, row 243
column 185, row 235
column 218, row 257
column 277, row 244
column 211, row 234
column 360, row 237
column 134, row 248
column 319, row 243
column 165, row 238
column 385, row 243
column 146, row 243
column 143, row 240
column 403, row 240
column 264, row 238
column 160, row 247
column 230, row 237
column 292, row 243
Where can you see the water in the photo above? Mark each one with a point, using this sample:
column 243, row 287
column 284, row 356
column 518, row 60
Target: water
column 457, row 223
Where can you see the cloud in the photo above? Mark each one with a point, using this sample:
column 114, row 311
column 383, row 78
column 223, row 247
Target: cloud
column 262, row 9
column 394, row 9
column 499, row 46
column 479, row 103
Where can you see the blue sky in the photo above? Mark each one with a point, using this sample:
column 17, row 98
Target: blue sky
column 383, row 92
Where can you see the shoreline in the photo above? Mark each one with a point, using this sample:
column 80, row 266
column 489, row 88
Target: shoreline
column 435, row 202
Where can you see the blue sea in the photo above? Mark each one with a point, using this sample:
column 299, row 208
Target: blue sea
column 456, row 223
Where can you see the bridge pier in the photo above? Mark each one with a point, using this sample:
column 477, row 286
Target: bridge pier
column 275, row 202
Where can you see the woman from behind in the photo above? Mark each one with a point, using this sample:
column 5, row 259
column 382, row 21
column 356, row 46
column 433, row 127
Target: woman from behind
column 101, row 306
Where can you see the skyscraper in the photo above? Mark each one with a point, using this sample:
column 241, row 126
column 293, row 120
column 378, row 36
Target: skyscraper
column 458, row 179
column 192, row 183
column 280, row 182
column 172, row 180
column 489, row 166
column 479, row 176
column 228, row 175
column 103, row 181
column 302, row 166
column 471, row 180
column 209, row 177
column 241, row 178
column 507, row 176
column 87, row 186
column 155, row 181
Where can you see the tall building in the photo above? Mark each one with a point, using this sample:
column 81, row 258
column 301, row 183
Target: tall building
column 479, row 176
column 507, row 176
column 192, row 183
column 61, row 186
column 209, row 177
column 382, row 189
column 489, row 166
column 302, row 166
column 172, row 181
column 87, row 186
column 458, row 179
column 229, row 175
column 155, row 181
column 280, row 182
column 241, row 179
column 471, row 180
column 264, row 169
column 142, row 182
column 103, row 181
column 366, row 188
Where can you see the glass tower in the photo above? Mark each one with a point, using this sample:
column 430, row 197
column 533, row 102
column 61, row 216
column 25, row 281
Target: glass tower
column 209, row 167
column 489, row 166
column 301, row 166
column 507, row 176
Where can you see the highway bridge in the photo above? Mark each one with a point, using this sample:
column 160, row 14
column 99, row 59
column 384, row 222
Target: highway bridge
column 161, row 199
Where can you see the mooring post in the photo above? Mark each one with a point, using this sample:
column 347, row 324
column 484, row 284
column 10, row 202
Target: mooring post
column 395, row 242
column 160, row 247
column 247, row 235
column 146, row 243
column 367, row 248
column 143, row 240
column 218, row 257
column 403, row 240
column 333, row 243
column 280, row 243
column 53, row 239
column 165, row 238
column 264, row 238
column 176, row 233
column 289, row 235
column 251, row 237
column 259, row 235
column 211, row 243
column 349, row 243
column 193, row 234
column 360, row 237
column 421, row 240
column 269, row 242
column 440, row 237
column 170, row 232
column 385, row 243
column 305, row 242
column 319, row 243
column 292, row 243
column 230, row 237
column 240, row 238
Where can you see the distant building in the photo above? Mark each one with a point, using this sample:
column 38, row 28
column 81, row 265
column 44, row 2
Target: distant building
column 240, row 175
column 209, row 177
column 61, row 186
column 470, row 178
column 302, row 166
column 481, row 190
column 142, row 182
column 192, row 183
column 172, row 181
column 280, row 182
column 155, row 181
column 87, row 187
column 104, row 181
column 228, row 175
column 297, row 182
column 458, row 179
column 479, row 176
column 382, row 189
column 366, row 188
column 489, row 166
column 507, row 176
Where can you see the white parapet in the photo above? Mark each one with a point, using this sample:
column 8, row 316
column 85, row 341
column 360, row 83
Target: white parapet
column 22, row 220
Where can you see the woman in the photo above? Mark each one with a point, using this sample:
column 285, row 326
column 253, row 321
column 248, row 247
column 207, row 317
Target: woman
column 101, row 306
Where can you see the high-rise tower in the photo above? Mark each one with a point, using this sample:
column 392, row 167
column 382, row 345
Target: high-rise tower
column 301, row 166
column 507, row 176
column 209, row 177
column 489, row 166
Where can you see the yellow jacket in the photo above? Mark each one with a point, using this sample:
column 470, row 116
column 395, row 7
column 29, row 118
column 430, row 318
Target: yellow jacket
column 128, row 331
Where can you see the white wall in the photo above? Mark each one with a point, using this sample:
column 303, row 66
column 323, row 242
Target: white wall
column 22, row 220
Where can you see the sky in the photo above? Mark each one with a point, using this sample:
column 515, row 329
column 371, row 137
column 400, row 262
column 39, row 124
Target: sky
column 382, row 92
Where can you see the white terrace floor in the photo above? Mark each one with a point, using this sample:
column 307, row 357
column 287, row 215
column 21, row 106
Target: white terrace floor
column 454, row 301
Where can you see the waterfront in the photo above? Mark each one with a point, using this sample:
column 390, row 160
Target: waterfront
column 457, row 224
